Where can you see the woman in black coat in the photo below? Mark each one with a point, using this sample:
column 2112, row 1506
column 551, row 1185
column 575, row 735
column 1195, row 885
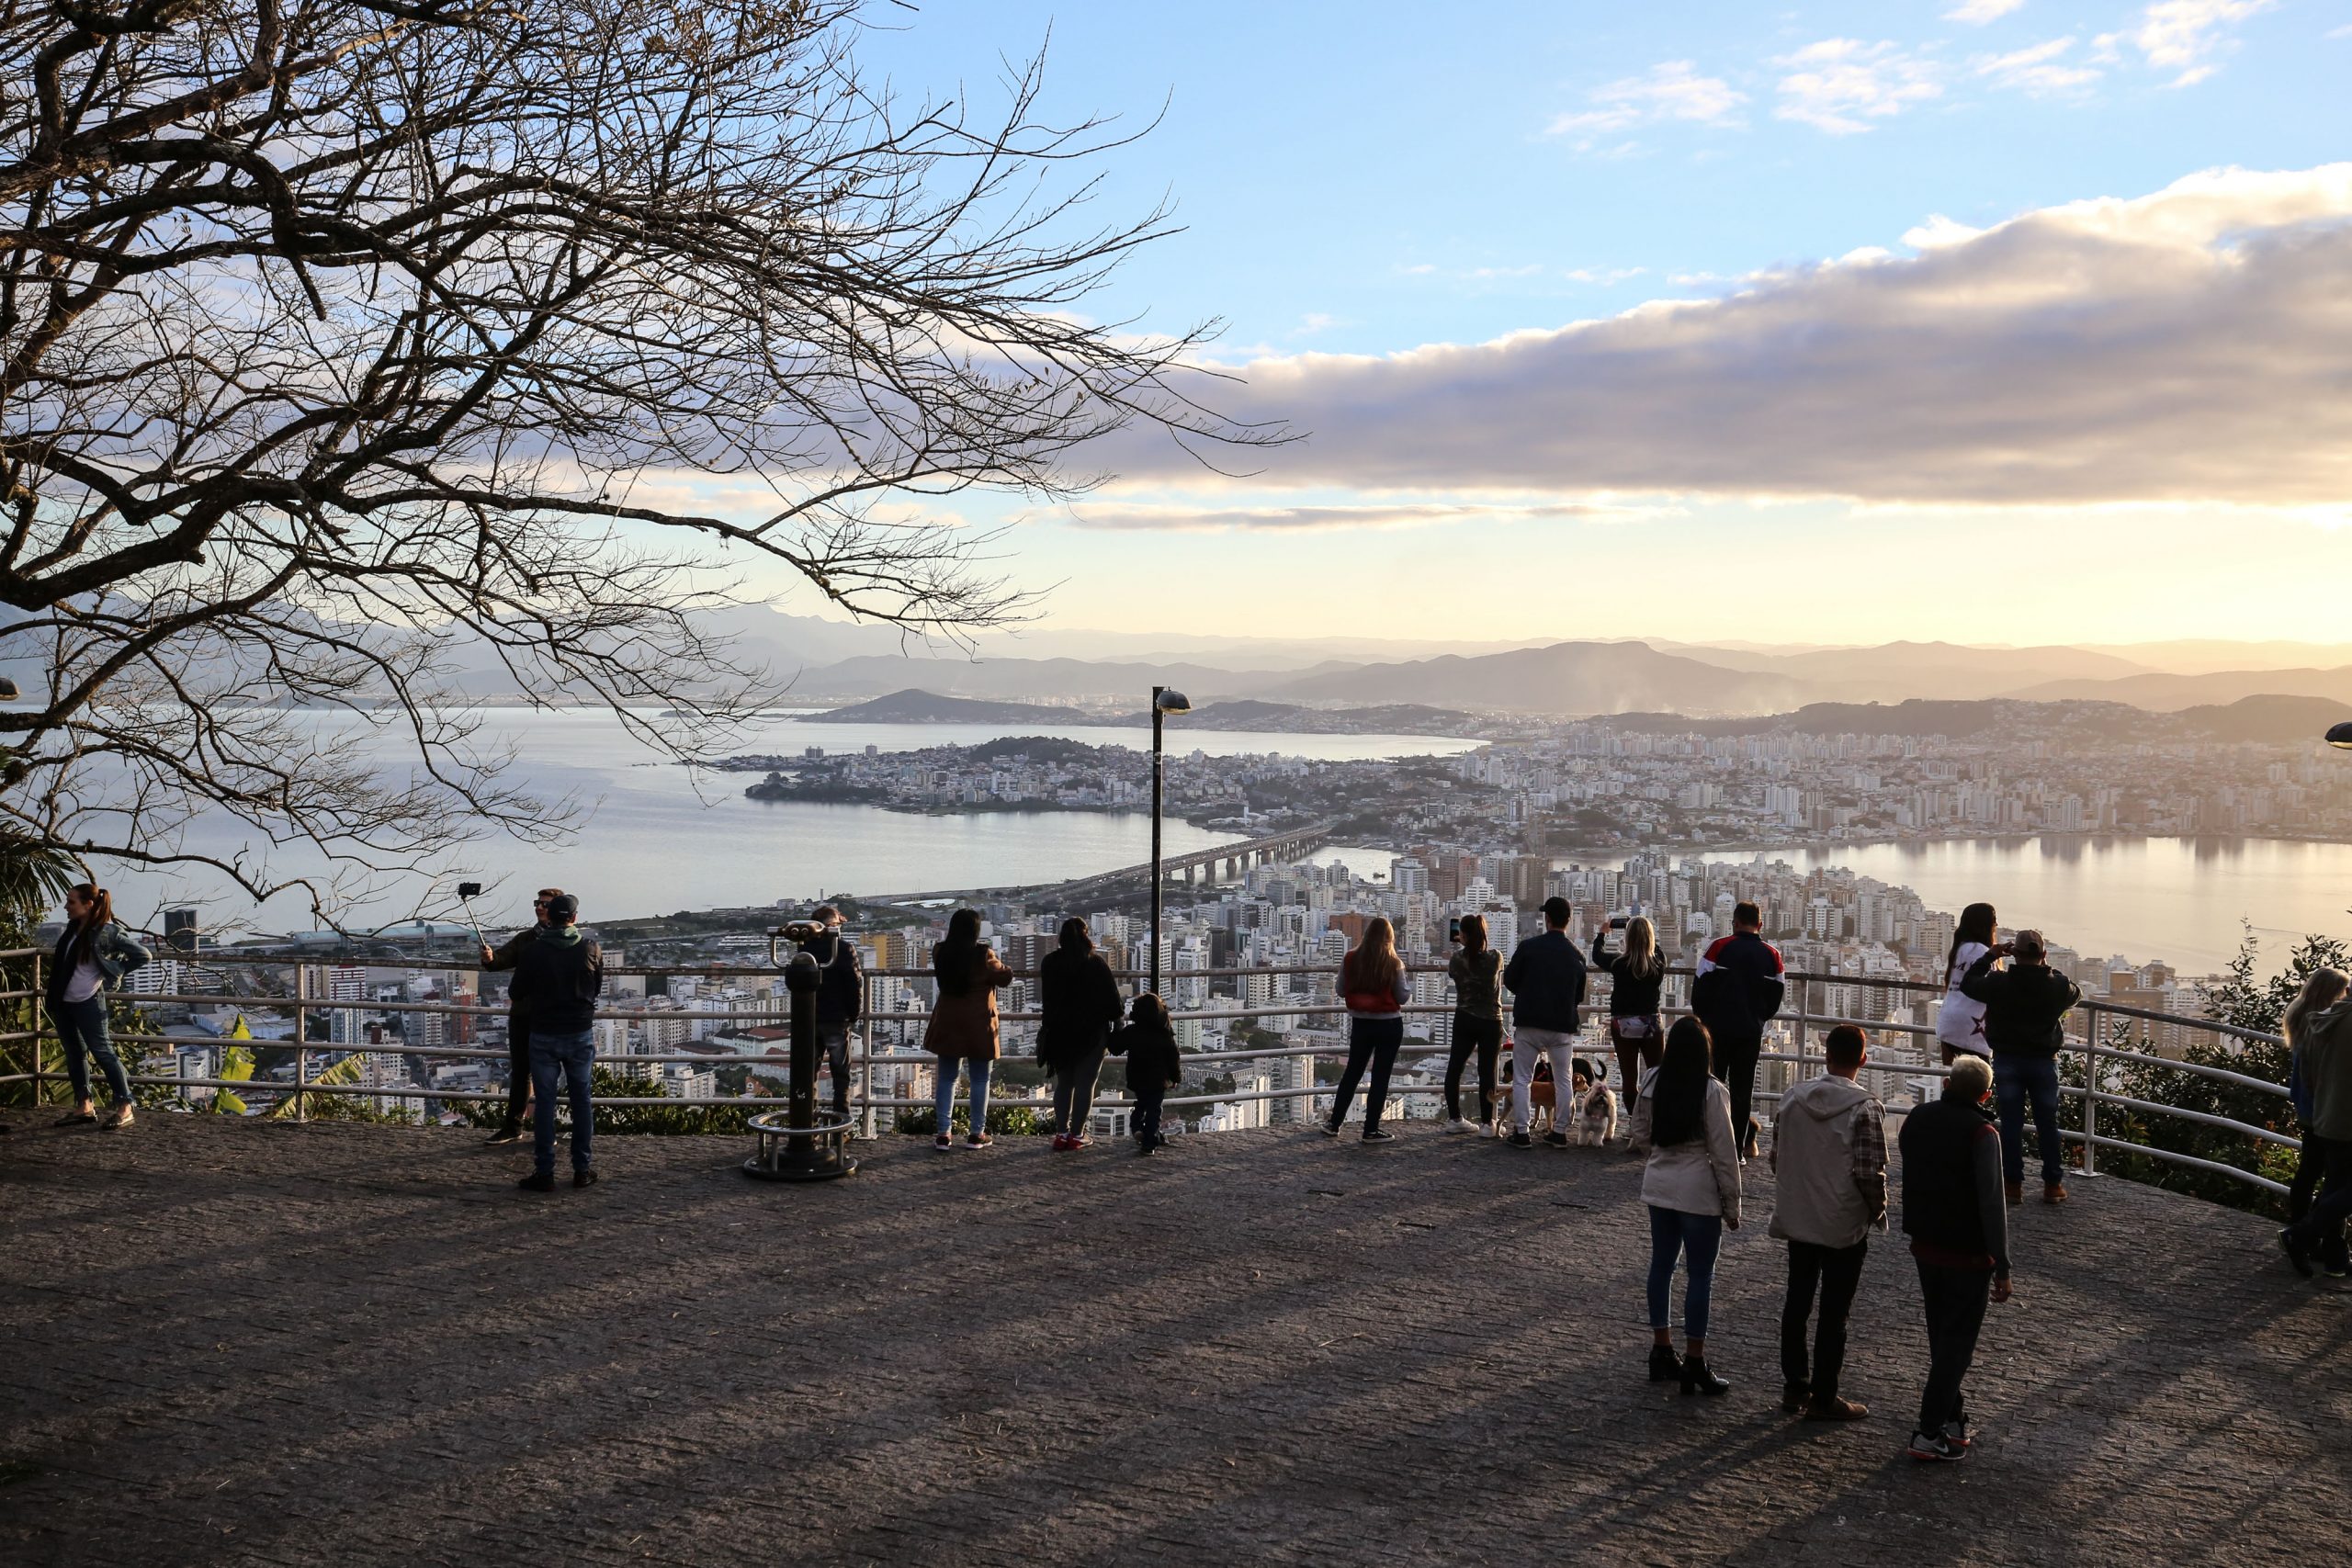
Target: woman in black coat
column 1080, row 1003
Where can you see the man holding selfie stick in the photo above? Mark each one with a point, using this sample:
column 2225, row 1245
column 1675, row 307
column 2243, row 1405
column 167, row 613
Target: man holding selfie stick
column 518, row 1020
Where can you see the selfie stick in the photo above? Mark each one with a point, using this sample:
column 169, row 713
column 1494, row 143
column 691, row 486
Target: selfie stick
column 466, row 893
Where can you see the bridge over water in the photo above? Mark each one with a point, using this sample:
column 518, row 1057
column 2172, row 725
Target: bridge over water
column 1220, row 862
column 241, row 1344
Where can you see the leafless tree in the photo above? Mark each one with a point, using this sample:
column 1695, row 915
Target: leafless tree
column 342, row 341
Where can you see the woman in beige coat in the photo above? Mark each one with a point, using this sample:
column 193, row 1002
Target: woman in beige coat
column 963, row 1025
column 1682, row 1124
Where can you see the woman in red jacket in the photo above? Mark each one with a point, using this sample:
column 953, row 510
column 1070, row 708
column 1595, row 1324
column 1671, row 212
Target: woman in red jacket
column 1372, row 982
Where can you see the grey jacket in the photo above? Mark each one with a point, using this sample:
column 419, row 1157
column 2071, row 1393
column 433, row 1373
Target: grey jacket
column 2326, row 1048
column 1829, row 1159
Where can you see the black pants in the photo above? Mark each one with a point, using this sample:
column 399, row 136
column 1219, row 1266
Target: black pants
column 1373, row 1041
column 1955, row 1300
column 1484, row 1035
column 2323, row 1224
column 1145, row 1120
column 1735, row 1064
column 2305, row 1187
column 1836, row 1271
column 518, row 1068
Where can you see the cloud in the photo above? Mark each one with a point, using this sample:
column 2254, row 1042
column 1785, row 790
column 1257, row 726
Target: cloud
column 2182, row 36
column 2041, row 69
column 1672, row 91
column 1840, row 84
column 2192, row 345
column 1166, row 517
column 1979, row 11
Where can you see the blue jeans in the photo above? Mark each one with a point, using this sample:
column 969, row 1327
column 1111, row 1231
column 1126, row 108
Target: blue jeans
column 571, row 1056
column 82, row 1028
column 943, row 1100
column 1697, row 1237
column 2015, row 1079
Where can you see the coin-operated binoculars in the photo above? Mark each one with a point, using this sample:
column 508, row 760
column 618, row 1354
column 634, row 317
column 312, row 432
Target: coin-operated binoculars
column 793, row 1145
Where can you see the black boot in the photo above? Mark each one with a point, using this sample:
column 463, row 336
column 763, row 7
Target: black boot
column 1665, row 1365
column 1697, row 1378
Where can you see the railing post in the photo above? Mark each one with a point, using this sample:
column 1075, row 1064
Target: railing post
column 301, row 1053
column 865, row 1053
column 35, row 1011
column 2090, row 1087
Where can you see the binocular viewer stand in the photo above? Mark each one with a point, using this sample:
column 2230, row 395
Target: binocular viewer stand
column 792, row 1144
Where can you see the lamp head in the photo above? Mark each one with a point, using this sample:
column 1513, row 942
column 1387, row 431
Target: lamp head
column 7, row 690
column 1168, row 699
column 2340, row 736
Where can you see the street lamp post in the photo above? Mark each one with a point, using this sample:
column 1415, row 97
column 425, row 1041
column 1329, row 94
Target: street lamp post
column 1163, row 702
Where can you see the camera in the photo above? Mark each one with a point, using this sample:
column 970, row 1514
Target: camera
column 1453, row 929
column 1619, row 922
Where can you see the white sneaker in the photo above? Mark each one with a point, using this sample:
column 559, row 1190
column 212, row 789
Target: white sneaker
column 1456, row 1125
column 1487, row 1129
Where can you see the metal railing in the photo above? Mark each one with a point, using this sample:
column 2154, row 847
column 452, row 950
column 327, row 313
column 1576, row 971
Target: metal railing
column 2094, row 1057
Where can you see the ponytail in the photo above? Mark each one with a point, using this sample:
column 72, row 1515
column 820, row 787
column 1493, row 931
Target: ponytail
column 101, row 903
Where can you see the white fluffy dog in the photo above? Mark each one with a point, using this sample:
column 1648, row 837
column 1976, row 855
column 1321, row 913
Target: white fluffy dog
column 1594, row 1119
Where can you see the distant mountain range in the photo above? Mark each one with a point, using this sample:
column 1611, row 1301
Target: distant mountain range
column 916, row 706
column 1111, row 672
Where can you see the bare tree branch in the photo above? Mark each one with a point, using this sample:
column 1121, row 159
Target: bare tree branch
column 339, row 337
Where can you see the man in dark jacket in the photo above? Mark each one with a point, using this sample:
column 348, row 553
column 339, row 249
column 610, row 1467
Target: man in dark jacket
column 559, row 975
column 2025, row 1024
column 1738, row 990
column 1545, row 977
column 840, row 998
column 1960, row 1239
column 496, row 961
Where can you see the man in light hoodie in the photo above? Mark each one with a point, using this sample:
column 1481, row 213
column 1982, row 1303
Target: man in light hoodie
column 1830, row 1165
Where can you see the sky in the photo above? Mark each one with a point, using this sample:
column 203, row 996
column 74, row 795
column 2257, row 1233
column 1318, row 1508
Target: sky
column 1990, row 320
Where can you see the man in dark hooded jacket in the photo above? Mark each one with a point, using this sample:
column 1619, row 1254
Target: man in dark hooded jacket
column 840, row 998
column 2025, row 1024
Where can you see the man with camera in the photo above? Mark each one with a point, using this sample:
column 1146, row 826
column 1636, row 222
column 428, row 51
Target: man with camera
column 841, row 997
column 498, row 961
column 2025, row 1024
column 559, row 975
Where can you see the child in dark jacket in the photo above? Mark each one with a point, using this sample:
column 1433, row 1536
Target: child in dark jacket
column 1154, row 1064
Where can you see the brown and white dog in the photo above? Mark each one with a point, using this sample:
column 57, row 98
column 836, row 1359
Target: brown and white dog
column 1593, row 1113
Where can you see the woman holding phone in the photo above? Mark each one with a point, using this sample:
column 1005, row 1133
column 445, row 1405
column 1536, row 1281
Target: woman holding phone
column 1636, row 979
column 1475, row 970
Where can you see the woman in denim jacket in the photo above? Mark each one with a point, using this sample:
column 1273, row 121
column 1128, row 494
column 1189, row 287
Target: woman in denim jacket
column 92, row 958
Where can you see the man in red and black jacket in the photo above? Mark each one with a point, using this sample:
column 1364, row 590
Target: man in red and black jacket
column 1737, row 992
column 1959, row 1226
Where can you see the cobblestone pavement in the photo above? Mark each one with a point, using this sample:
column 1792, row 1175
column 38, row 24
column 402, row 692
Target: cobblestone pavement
column 242, row 1343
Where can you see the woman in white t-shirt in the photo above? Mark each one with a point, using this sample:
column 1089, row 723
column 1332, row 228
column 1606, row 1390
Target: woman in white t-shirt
column 1959, row 1023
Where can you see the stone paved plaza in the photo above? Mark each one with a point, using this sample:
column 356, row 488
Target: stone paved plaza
column 239, row 1343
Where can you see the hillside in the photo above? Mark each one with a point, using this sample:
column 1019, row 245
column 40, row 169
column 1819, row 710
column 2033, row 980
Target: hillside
column 916, row 706
column 1565, row 678
column 2170, row 694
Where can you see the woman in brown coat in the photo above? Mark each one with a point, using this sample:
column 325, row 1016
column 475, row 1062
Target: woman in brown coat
column 963, row 1024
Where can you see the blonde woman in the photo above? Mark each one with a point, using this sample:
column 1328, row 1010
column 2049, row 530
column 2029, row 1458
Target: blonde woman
column 1636, row 979
column 2318, row 1002
column 1372, row 982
